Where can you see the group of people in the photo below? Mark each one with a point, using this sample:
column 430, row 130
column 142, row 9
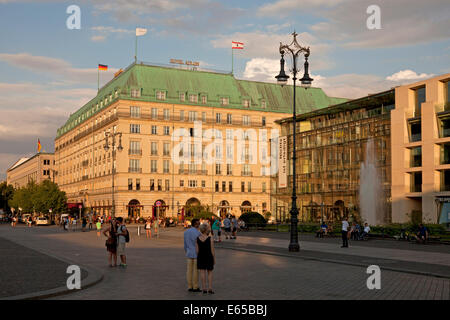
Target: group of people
column 355, row 232
column 229, row 224
column 200, row 255
column 117, row 237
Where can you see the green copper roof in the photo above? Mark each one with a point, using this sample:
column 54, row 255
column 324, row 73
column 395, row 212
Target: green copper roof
column 149, row 79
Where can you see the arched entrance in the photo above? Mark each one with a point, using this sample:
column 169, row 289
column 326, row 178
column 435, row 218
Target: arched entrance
column 224, row 208
column 339, row 209
column 159, row 209
column 192, row 207
column 246, row 206
column 134, row 208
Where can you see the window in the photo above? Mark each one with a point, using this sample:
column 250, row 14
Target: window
column 416, row 182
column 204, row 99
column 154, row 130
column 138, row 184
column 216, row 186
column 416, row 157
column 181, row 183
column 154, row 166
column 161, row 95
column 134, row 165
column 218, row 169
column 218, row 117
column 249, row 186
column 166, row 149
column 166, row 166
column 229, row 170
column 166, row 185
column 245, row 120
column 192, row 116
column 182, row 96
column 135, row 147
column 230, row 186
column 192, row 183
column 229, row 118
column 154, row 149
column 203, row 184
column 135, row 93
column 203, row 116
column 193, row 98
column 263, row 104
column 263, row 187
column 130, row 184
column 135, row 112
column 166, row 114
column 224, row 186
column 445, row 153
column 181, row 115
column 166, row 130
column 415, row 131
column 420, row 98
column 242, row 186
column 224, row 101
column 246, row 103
column 263, row 120
column 135, row 128
column 154, row 113
column 445, row 180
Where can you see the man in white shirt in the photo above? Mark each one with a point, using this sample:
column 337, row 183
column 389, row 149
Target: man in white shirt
column 345, row 227
column 366, row 231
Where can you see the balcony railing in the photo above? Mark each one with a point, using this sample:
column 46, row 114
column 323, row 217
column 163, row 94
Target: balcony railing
column 135, row 170
column 416, row 188
column 137, row 152
column 246, row 174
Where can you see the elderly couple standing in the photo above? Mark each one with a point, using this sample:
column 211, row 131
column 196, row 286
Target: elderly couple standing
column 199, row 248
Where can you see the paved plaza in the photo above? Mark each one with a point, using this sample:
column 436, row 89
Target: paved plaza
column 255, row 266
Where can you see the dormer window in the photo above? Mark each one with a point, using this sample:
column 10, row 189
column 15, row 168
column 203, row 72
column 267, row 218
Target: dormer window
column 135, row 93
column 263, row 104
column 246, row 103
column 224, row 101
column 160, row 95
column 193, row 98
column 204, row 99
column 182, row 96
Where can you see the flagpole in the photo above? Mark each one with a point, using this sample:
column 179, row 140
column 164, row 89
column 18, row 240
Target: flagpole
column 98, row 79
column 232, row 60
column 135, row 50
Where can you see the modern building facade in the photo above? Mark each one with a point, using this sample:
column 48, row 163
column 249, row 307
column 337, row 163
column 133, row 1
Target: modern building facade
column 36, row 168
column 421, row 151
column 333, row 144
column 189, row 137
column 383, row 158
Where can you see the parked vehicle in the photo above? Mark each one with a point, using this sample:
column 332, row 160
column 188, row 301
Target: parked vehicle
column 43, row 221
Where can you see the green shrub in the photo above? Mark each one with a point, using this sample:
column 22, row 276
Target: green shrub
column 253, row 218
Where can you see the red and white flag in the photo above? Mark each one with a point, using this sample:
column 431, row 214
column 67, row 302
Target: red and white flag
column 237, row 45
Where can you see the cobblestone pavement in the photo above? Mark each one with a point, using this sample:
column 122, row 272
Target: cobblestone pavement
column 157, row 271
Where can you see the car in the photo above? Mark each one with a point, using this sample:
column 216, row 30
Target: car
column 43, row 221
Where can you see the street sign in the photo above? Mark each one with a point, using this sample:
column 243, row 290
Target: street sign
column 80, row 206
column 158, row 203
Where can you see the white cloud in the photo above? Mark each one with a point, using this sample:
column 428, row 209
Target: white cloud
column 408, row 75
column 98, row 38
column 55, row 67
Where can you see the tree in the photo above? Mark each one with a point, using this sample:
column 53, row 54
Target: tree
column 6, row 194
column 48, row 196
column 23, row 198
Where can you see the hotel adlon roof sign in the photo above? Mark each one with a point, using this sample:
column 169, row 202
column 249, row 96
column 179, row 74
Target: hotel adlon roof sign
column 188, row 63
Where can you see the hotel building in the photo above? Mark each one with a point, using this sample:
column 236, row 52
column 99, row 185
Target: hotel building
column 38, row 168
column 150, row 106
column 402, row 135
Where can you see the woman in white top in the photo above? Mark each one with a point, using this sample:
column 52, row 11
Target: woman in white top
column 148, row 228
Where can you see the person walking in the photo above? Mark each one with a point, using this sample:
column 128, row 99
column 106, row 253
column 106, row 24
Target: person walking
column 190, row 240
column 111, row 243
column 156, row 227
column 66, row 223
column 98, row 224
column 345, row 227
column 148, row 228
column 215, row 229
column 90, row 221
column 234, row 225
column 83, row 224
column 74, row 224
column 205, row 257
column 122, row 237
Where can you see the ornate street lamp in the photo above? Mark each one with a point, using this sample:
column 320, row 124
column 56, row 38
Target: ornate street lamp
column 119, row 148
column 295, row 50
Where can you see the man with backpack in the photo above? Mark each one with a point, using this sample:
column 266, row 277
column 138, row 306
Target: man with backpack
column 123, row 237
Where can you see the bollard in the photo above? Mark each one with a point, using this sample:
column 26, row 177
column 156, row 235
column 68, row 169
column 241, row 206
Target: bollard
column 139, row 230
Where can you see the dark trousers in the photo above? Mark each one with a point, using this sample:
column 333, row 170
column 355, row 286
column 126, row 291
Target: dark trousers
column 344, row 239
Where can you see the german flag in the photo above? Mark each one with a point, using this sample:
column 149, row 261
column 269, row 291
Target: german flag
column 103, row 67
column 39, row 146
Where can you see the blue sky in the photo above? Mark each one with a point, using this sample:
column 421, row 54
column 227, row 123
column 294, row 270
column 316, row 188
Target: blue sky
column 48, row 71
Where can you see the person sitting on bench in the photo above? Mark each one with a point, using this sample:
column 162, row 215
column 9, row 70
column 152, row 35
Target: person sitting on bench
column 422, row 235
column 365, row 232
column 322, row 230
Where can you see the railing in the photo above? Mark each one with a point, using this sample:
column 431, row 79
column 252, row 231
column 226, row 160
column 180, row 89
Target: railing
column 415, row 137
column 135, row 170
column 416, row 188
column 246, row 174
column 135, row 152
